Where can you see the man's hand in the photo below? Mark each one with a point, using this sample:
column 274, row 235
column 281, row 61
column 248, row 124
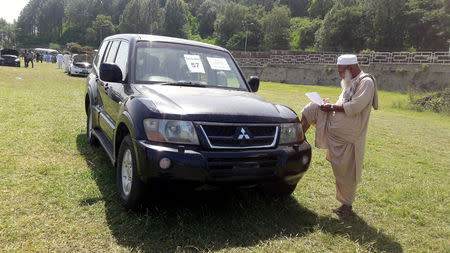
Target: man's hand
column 325, row 107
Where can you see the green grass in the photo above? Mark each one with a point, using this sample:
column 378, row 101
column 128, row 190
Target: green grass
column 58, row 194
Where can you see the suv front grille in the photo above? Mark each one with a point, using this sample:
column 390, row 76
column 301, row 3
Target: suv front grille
column 236, row 136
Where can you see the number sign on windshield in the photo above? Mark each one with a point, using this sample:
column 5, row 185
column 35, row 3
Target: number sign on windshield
column 194, row 63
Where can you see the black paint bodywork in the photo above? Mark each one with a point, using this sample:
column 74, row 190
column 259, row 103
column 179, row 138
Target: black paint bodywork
column 9, row 57
column 119, row 108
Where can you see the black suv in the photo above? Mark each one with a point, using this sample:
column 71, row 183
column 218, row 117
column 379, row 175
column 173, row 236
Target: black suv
column 173, row 110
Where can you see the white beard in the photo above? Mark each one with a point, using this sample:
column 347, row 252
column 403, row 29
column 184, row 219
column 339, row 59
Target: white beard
column 347, row 81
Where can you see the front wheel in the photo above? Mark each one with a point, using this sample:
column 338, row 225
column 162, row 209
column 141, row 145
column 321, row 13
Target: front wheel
column 129, row 185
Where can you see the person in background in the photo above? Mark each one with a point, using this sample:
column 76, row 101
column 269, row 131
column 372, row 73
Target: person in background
column 341, row 128
column 30, row 58
column 25, row 58
column 59, row 60
column 66, row 60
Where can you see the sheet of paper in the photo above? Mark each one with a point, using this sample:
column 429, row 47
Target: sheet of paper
column 315, row 98
column 194, row 63
column 218, row 63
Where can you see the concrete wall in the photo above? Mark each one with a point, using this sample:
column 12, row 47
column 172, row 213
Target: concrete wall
column 390, row 77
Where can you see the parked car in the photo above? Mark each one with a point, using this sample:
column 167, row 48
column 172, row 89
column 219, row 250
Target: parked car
column 167, row 109
column 9, row 57
column 80, row 64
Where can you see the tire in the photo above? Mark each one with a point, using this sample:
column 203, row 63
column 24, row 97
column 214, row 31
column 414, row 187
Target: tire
column 277, row 189
column 91, row 139
column 129, row 184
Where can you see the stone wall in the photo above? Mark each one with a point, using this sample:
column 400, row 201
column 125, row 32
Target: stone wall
column 397, row 78
column 394, row 71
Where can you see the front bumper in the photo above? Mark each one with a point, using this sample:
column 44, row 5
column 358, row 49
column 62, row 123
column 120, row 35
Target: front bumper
column 10, row 63
column 80, row 72
column 240, row 167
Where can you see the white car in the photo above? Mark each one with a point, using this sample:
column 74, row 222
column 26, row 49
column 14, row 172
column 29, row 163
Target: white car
column 80, row 64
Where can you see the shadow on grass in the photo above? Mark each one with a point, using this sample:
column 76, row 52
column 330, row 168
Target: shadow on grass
column 202, row 221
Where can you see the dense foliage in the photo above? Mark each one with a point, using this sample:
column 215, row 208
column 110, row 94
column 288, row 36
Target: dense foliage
column 328, row 25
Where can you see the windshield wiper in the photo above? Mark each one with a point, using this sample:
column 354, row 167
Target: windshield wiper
column 192, row 84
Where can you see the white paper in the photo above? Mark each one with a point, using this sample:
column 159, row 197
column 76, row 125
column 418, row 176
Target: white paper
column 218, row 63
column 194, row 63
column 315, row 98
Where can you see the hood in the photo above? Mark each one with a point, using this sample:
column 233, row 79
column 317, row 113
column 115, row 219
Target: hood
column 9, row 52
column 212, row 104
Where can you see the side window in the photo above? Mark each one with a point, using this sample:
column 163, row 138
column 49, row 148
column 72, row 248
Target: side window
column 122, row 57
column 112, row 52
column 100, row 53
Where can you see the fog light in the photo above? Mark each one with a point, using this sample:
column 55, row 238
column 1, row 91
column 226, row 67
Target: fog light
column 305, row 160
column 165, row 163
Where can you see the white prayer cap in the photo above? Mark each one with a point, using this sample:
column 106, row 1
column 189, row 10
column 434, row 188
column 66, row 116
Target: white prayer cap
column 347, row 59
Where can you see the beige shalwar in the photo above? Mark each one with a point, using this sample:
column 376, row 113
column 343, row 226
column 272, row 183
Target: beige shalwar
column 344, row 135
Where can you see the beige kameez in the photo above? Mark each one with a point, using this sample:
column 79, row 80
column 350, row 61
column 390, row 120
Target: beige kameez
column 343, row 134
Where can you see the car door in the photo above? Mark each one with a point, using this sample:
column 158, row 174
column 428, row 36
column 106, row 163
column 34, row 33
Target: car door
column 93, row 80
column 113, row 93
column 106, row 121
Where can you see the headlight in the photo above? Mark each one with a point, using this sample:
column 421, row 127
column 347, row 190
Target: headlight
column 171, row 131
column 291, row 133
column 17, row 60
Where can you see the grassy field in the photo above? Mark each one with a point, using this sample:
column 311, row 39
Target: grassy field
column 58, row 194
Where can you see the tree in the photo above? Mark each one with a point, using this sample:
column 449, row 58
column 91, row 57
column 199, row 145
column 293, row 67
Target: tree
column 319, row 8
column 175, row 19
column 237, row 25
column 428, row 24
column 27, row 22
column 276, row 28
column 299, row 8
column 79, row 15
column 101, row 27
column 307, row 32
column 141, row 16
column 385, row 24
column 207, row 14
column 340, row 30
column 50, row 20
column 7, row 34
column 230, row 22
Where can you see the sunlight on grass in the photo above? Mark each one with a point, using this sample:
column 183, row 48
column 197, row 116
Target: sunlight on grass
column 58, row 194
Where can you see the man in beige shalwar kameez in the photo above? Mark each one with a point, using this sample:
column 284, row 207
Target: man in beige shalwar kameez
column 341, row 128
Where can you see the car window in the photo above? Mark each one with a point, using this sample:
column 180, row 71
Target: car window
column 122, row 57
column 82, row 58
column 101, row 52
column 159, row 62
column 112, row 52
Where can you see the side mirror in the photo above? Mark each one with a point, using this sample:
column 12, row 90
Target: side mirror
column 254, row 83
column 110, row 72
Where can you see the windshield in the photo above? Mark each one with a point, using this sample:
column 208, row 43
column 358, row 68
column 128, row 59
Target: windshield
column 82, row 58
column 175, row 63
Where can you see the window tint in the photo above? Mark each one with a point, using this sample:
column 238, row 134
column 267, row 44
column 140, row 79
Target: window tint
column 101, row 52
column 122, row 57
column 112, row 52
column 167, row 62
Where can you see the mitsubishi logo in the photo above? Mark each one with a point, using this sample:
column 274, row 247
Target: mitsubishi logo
column 243, row 135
